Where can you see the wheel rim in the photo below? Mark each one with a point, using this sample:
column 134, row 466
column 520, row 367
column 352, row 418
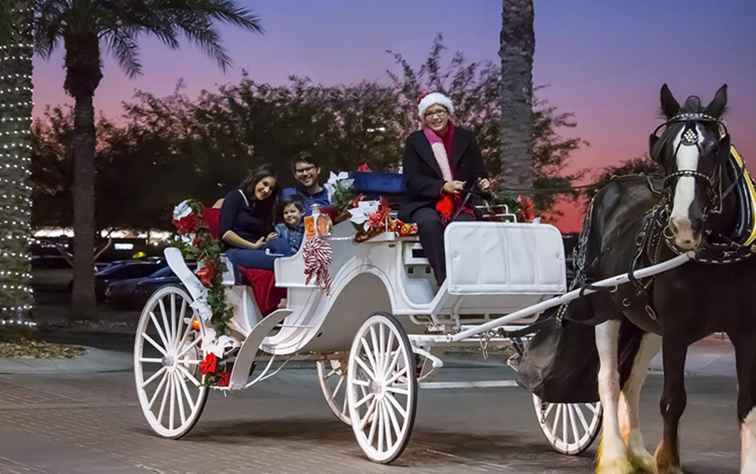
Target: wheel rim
column 381, row 388
column 570, row 428
column 333, row 382
column 166, row 363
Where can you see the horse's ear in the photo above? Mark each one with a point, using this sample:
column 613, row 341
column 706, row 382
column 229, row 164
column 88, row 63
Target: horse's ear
column 718, row 104
column 669, row 104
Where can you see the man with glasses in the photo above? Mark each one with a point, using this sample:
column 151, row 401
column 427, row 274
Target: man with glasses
column 308, row 189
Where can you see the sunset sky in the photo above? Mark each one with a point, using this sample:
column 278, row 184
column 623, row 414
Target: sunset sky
column 602, row 60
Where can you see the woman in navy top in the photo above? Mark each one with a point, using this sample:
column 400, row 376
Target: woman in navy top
column 247, row 220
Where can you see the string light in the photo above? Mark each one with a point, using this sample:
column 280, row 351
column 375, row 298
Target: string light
column 15, row 159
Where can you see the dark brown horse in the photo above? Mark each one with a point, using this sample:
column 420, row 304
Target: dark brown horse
column 699, row 205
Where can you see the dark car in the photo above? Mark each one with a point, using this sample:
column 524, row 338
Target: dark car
column 133, row 293
column 121, row 271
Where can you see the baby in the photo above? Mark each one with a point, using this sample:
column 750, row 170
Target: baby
column 288, row 234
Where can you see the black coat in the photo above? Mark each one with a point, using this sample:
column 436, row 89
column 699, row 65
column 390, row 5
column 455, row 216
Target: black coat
column 422, row 176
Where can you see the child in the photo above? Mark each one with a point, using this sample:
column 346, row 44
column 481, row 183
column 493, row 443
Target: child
column 289, row 233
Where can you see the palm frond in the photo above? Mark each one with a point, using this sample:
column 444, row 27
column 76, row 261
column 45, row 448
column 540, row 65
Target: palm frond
column 125, row 50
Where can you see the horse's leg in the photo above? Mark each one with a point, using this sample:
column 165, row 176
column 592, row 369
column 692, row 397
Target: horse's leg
column 745, row 356
column 629, row 404
column 611, row 456
column 672, row 405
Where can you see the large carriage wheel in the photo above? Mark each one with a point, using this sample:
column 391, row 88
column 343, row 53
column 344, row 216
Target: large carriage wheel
column 570, row 428
column 332, row 377
column 382, row 388
column 166, row 363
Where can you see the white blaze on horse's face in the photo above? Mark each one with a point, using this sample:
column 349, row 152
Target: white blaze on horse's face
column 685, row 193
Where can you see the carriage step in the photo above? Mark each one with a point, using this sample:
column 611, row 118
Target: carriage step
column 475, row 384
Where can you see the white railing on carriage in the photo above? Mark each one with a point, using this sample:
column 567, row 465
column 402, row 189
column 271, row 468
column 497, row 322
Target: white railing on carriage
column 553, row 302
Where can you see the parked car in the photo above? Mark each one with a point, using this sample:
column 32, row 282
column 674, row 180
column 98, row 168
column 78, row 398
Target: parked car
column 123, row 270
column 133, row 293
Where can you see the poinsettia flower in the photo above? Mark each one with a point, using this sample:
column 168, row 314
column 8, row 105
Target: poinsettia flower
column 224, row 379
column 206, row 273
column 209, row 364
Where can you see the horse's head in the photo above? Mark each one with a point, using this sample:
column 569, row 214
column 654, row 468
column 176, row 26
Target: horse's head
column 692, row 149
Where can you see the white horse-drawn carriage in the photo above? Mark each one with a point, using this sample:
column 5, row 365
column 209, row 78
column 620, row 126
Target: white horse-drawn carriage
column 373, row 335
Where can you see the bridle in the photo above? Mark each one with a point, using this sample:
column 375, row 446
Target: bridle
column 716, row 247
column 690, row 137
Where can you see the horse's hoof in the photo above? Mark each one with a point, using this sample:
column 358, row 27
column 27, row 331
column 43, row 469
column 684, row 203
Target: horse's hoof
column 670, row 470
column 616, row 466
column 644, row 462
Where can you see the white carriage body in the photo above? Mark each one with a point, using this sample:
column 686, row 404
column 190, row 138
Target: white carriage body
column 493, row 268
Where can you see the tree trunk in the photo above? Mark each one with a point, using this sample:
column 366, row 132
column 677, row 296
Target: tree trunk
column 15, row 159
column 83, row 74
column 83, row 146
column 516, row 93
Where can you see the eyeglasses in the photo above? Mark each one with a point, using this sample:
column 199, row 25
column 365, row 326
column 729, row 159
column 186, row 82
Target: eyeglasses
column 303, row 170
column 438, row 113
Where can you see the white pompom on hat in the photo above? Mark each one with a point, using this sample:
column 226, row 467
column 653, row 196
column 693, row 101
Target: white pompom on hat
column 434, row 98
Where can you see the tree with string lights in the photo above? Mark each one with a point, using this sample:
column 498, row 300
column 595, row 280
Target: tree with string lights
column 16, row 50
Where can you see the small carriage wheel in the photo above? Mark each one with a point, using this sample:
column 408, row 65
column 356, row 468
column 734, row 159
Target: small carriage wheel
column 167, row 353
column 332, row 377
column 382, row 388
column 570, row 428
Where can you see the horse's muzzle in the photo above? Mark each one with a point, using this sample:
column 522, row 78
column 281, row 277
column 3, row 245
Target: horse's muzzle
column 683, row 234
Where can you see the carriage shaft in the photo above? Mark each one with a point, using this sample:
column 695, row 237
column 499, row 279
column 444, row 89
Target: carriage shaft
column 570, row 296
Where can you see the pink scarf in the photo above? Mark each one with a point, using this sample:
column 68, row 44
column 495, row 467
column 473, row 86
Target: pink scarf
column 442, row 149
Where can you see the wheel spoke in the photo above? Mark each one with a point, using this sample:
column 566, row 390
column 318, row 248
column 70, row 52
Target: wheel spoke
column 550, row 406
column 364, row 399
column 188, row 395
column 388, row 351
column 396, row 405
column 179, row 399
column 153, row 343
column 338, row 387
column 581, row 417
column 373, row 425
column 153, row 377
column 165, row 398
column 391, row 366
column 189, row 376
column 368, row 352
column 556, row 418
column 190, row 346
column 387, row 426
column 168, row 329
column 573, row 423
column 392, row 416
column 189, row 361
column 381, row 350
column 564, row 423
column 376, row 348
column 379, row 421
column 174, row 323
column 361, row 383
column 172, row 396
column 148, row 360
column 159, row 329
column 345, row 407
column 365, row 367
column 594, row 407
column 157, row 391
column 400, row 391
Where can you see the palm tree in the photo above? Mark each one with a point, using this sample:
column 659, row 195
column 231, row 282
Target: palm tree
column 516, row 93
column 86, row 27
column 15, row 152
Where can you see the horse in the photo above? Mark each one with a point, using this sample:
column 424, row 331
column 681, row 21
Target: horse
column 697, row 207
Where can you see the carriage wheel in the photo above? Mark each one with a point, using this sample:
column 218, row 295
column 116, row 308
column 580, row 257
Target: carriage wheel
column 166, row 363
column 382, row 388
column 570, row 428
column 332, row 377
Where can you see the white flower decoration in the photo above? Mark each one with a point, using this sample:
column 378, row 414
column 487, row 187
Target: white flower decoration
column 335, row 181
column 182, row 210
column 362, row 211
column 212, row 344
